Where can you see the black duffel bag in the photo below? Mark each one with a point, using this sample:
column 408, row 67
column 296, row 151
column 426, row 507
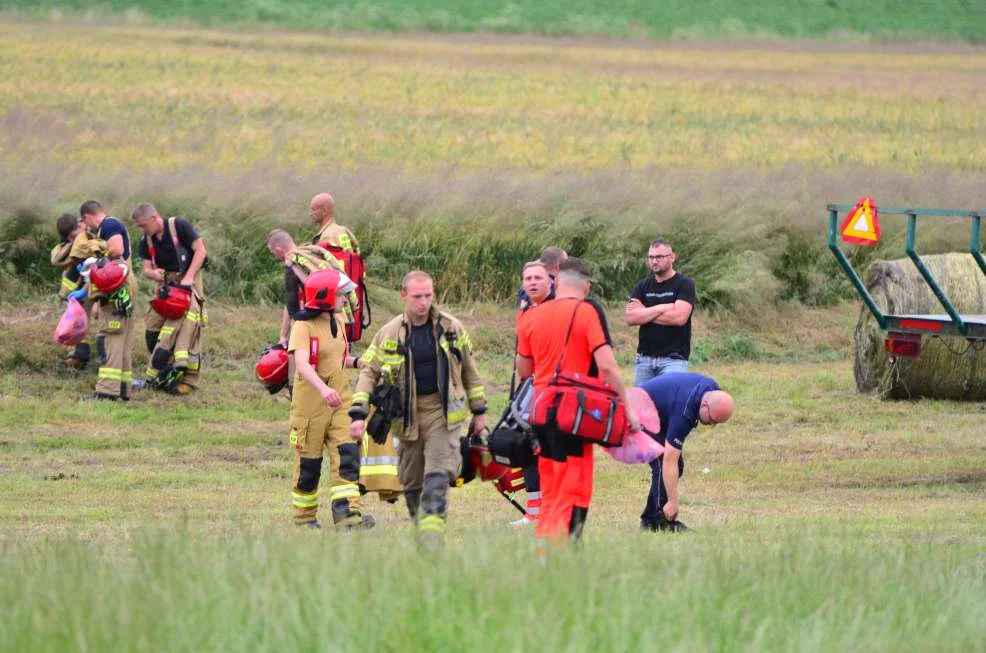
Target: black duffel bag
column 512, row 442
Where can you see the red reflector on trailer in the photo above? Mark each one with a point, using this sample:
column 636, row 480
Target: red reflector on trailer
column 905, row 345
column 925, row 325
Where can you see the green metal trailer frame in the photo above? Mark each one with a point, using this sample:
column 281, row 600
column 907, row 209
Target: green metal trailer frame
column 972, row 327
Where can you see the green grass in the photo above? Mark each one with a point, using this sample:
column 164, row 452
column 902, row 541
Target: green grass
column 950, row 20
column 719, row 591
column 825, row 520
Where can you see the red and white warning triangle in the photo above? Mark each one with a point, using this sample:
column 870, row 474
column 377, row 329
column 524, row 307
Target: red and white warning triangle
column 862, row 225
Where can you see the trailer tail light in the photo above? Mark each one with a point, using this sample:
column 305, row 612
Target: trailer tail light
column 903, row 345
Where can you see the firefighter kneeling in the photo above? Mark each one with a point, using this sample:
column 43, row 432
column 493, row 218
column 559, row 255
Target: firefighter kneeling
column 318, row 413
column 426, row 355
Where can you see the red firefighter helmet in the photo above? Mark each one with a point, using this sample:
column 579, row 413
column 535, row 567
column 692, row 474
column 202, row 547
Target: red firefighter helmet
column 172, row 302
column 320, row 289
column 272, row 368
column 108, row 276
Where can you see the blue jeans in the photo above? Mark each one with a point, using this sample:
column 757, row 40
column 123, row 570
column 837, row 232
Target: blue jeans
column 648, row 367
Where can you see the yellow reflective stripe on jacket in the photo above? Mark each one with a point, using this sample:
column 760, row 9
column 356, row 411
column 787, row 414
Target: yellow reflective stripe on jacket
column 150, row 373
column 345, row 491
column 361, row 398
column 181, row 353
column 465, row 342
column 299, row 500
column 477, row 392
column 68, row 284
column 432, row 523
column 128, row 376
column 165, row 332
column 193, row 316
column 370, row 353
column 378, row 470
column 456, row 416
column 345, row 243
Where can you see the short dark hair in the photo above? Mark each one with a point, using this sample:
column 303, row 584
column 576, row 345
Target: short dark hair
column 552, row 255
column 143, row 210
column 90, row 207
column 658, row 242
column 66, row 224
column 575, row 267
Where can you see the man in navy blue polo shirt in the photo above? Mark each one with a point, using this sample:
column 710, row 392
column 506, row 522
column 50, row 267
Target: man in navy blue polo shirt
column 683, row 399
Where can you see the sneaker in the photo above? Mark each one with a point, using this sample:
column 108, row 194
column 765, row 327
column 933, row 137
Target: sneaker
column 97, row 396
column 526, row 520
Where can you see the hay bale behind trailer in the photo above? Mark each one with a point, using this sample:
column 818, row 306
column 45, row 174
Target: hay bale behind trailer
column 949, row 367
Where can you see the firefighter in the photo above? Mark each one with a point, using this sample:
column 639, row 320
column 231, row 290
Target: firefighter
column 537, row 288
column 75, row 247
column 427, row 356
column 114, row 310
column 378, row 463
column 318, row 345
column 322, row 212
column 566, row 463
column 173, row 254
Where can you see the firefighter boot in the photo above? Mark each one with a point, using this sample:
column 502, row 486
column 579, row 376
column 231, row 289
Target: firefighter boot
column 304, row 496
column 345, row 491
column 413, row 500
column 434, row 507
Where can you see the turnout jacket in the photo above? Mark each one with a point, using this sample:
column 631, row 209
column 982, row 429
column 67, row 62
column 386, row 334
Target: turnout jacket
column 388, row 359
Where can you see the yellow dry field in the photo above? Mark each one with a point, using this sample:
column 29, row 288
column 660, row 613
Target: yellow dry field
column 159, row 99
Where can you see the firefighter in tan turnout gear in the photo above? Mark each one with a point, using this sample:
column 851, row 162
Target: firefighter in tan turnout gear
column 322, row 212
column 113, row 288
column 424, row 356
column 174, row 256
column 318, row 406
column 377, row 463
column 76, row 246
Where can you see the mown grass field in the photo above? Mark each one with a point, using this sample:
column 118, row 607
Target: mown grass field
column 825, row 519
column 883, row 19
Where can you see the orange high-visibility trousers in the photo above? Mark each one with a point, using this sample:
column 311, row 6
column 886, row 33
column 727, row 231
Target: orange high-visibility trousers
column 566, row 490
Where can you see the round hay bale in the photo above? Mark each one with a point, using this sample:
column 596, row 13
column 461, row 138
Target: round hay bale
column 949, row 367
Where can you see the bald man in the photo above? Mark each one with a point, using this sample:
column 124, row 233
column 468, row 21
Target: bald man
column 683, row 399
column 322, row 212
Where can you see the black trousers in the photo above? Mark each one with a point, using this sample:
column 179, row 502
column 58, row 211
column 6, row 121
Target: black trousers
column 658, row 495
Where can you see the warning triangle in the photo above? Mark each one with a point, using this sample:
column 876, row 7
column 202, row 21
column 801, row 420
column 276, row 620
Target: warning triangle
column 862, row 225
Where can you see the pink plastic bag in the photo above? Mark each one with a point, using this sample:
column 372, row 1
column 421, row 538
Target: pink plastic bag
column 639, row 447
column 74, row 325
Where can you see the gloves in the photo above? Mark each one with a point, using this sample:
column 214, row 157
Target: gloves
column 122, row 302
column 78, row 295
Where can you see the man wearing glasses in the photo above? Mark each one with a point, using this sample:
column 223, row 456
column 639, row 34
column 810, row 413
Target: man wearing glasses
column 682, row 400
column 661, row 305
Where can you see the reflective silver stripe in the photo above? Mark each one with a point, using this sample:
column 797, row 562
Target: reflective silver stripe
column 378, row 460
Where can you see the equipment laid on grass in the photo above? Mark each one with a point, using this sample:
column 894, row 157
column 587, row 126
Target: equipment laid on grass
column 904, row 346
column 73, row 326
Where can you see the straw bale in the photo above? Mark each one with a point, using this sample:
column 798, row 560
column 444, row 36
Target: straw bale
column 949, row 367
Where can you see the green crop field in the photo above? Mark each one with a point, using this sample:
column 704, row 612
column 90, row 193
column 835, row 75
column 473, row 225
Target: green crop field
column 837, row 19
column 824, row 520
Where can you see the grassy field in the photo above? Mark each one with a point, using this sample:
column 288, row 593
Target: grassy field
column 844, row 19
column 466, row 156
column 825, row 519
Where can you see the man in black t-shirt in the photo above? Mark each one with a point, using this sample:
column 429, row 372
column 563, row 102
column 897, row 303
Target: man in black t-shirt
column 173, row 254
column 662, row 306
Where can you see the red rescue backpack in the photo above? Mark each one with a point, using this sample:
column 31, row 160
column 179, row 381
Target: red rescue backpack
column 356, row 270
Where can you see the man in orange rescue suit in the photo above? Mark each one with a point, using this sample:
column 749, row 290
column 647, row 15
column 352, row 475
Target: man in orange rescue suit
column 173, row 255
column 566, row 463
column 318, row 406
column 428, row 356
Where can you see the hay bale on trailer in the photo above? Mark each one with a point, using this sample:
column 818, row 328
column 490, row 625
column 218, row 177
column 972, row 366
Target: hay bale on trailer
column 949, row 367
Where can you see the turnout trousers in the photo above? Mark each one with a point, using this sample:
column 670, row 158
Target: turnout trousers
column 427, row 465
column 566, row 470
column 116, row 344
column 326, row 429
column 177, row 343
